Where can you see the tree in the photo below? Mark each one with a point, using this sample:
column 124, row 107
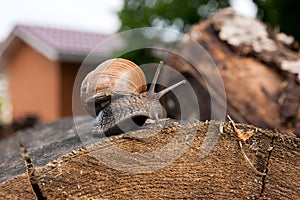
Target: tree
column 282, row 14
column 181, row 15
column 167, row 13
column 175, row 14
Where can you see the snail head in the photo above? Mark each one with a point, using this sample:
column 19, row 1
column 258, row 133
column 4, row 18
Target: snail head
column 157, row 111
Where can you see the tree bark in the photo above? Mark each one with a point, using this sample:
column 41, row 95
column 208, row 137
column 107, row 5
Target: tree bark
column 200, row 160
column 258, row 67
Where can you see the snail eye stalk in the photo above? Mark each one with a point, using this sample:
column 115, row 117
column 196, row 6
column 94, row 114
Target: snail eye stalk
column 168, row 89
column 151, row 92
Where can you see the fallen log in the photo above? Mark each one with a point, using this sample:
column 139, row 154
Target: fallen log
column 259, row 68
column 197, row 160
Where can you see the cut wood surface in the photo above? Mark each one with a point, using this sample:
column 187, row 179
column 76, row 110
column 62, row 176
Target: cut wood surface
column 197, row 160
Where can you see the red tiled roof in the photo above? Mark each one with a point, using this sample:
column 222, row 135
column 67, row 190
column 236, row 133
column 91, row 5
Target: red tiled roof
column 58, row 44
column 65, row 41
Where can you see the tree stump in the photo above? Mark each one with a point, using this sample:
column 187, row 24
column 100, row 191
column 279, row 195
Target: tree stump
column 260, row 69
column 199, row 160
column 211, row 160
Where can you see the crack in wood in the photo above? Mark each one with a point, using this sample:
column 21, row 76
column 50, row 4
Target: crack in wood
column 30, row 172
column 78, row 174
column 263, row 187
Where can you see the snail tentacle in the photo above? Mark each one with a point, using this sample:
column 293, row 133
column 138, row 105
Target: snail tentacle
column 151, row 91
column 168, row 89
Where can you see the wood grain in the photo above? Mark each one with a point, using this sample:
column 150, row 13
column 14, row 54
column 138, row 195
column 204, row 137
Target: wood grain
column 123, row 167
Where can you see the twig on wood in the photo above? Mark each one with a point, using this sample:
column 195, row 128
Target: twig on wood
column 231, row 122
column 59, row 168
column 221, row 128
column 251, row 165
column 244, row 137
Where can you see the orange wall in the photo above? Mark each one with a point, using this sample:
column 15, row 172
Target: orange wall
column 34, row 85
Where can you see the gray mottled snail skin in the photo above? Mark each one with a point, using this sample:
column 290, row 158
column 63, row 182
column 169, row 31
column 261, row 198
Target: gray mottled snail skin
column 115, row 93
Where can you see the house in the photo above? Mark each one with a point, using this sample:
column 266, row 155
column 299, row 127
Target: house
column 41, row 65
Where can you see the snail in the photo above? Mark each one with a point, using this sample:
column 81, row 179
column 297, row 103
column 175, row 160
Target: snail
column 115, row 94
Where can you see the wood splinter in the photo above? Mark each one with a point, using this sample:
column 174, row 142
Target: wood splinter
column 242, row 138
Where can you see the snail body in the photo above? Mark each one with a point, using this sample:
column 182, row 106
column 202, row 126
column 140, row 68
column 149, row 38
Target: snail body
column 126, row 112
column 115, row 93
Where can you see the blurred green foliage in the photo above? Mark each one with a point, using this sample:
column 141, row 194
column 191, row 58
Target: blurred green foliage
column 176, row 14
column 281, row 13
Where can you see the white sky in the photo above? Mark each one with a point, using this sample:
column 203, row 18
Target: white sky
column 88, row 15
column 245, row 7
column 85, row 15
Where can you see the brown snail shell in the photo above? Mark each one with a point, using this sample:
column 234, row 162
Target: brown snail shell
column 126, row 82
column 112, row 77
